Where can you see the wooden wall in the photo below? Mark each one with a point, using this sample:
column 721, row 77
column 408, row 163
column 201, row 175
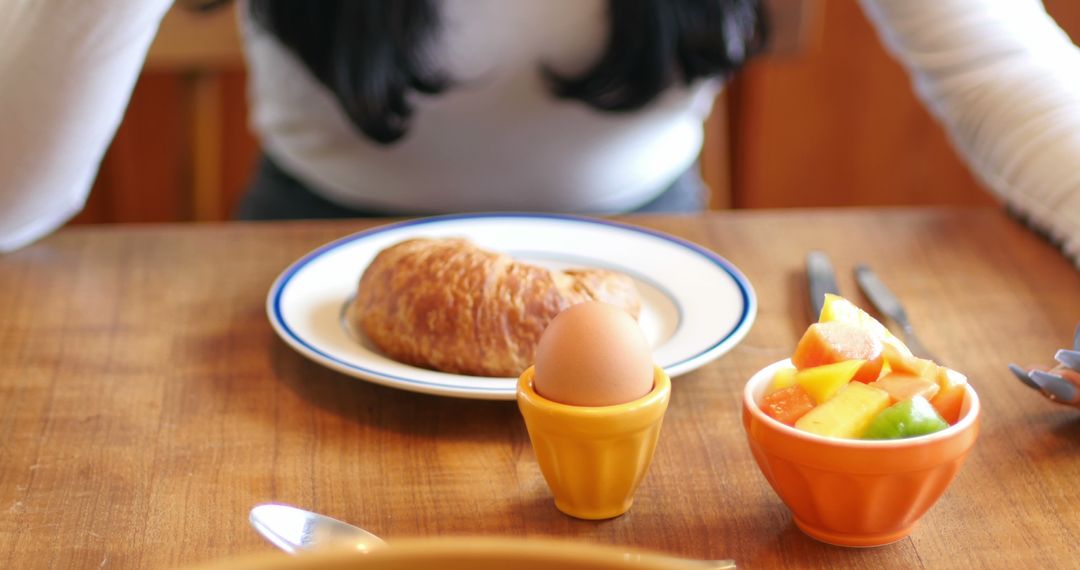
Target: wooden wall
column 833, row 124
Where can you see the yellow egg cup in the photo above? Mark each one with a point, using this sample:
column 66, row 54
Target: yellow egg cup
column 594, row 457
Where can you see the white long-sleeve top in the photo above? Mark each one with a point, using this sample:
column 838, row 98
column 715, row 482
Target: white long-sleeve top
column 67, row 68
column 1004, row 79
column 999, row 73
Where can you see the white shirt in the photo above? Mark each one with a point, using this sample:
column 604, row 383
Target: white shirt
column 999, row 73
column 67, row 68
column 1005, row 81
column 497, row 139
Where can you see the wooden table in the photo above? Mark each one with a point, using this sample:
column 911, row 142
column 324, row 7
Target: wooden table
column 146, row 405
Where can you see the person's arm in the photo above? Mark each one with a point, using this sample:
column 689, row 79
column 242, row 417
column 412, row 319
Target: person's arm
column 1004, row 79
column 67, row 69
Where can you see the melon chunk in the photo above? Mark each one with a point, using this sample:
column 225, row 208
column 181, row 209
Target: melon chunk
column 950, row 397
column 847, row 414
column 910, row 418
column 902, row 386
column 910, row 364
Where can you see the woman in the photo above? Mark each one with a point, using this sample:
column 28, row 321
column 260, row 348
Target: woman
column 576, row 105
column 403, row 107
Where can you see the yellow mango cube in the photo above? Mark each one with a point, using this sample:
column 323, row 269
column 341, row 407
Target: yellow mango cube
column 784, row 378
column 821, row 382
column 847, row 414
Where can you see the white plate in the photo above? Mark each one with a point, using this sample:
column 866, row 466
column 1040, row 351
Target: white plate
column 695, row 304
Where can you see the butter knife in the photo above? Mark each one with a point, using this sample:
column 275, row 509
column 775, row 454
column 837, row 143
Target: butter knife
column 889, row 305
column 820, row 280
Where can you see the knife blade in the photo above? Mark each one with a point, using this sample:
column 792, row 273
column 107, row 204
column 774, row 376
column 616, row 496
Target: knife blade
column 887, row 303
column 820, row 280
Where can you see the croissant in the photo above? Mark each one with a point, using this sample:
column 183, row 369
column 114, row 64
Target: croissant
column 448, row 305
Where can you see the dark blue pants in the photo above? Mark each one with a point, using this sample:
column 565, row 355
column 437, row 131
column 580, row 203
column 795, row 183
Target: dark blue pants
column 275, row 195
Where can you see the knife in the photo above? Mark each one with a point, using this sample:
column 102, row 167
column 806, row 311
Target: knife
column 820, row 280
column 889, row 305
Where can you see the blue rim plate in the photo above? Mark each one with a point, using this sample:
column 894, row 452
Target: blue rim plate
column 695, row 304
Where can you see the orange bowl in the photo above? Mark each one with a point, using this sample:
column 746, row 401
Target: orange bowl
column 851, row 492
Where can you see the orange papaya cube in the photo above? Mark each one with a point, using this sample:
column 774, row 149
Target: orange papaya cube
column 787, row 405
column 837, row 308
column 821, row 382
column 950, row 397
column 837, row 341
column 847, row 414
column 902, row 386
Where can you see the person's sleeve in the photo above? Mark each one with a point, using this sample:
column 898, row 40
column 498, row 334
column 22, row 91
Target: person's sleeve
column 67, row 68
column 1004, row 79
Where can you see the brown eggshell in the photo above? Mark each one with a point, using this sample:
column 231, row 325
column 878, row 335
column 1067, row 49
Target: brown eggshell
column 593, row 354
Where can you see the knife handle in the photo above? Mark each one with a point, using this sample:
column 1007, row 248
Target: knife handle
column 820, row 280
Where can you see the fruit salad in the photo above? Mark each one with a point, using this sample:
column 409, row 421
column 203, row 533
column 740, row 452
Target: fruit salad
column 851, row 378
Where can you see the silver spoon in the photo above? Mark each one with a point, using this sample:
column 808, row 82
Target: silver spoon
column 294, row 530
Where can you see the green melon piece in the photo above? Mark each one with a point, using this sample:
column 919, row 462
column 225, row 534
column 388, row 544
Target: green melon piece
column 910, row 418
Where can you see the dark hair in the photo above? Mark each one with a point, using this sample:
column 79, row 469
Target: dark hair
column 371, row 54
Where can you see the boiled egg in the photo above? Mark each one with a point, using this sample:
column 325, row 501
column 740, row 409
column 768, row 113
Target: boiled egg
column 593, row 354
